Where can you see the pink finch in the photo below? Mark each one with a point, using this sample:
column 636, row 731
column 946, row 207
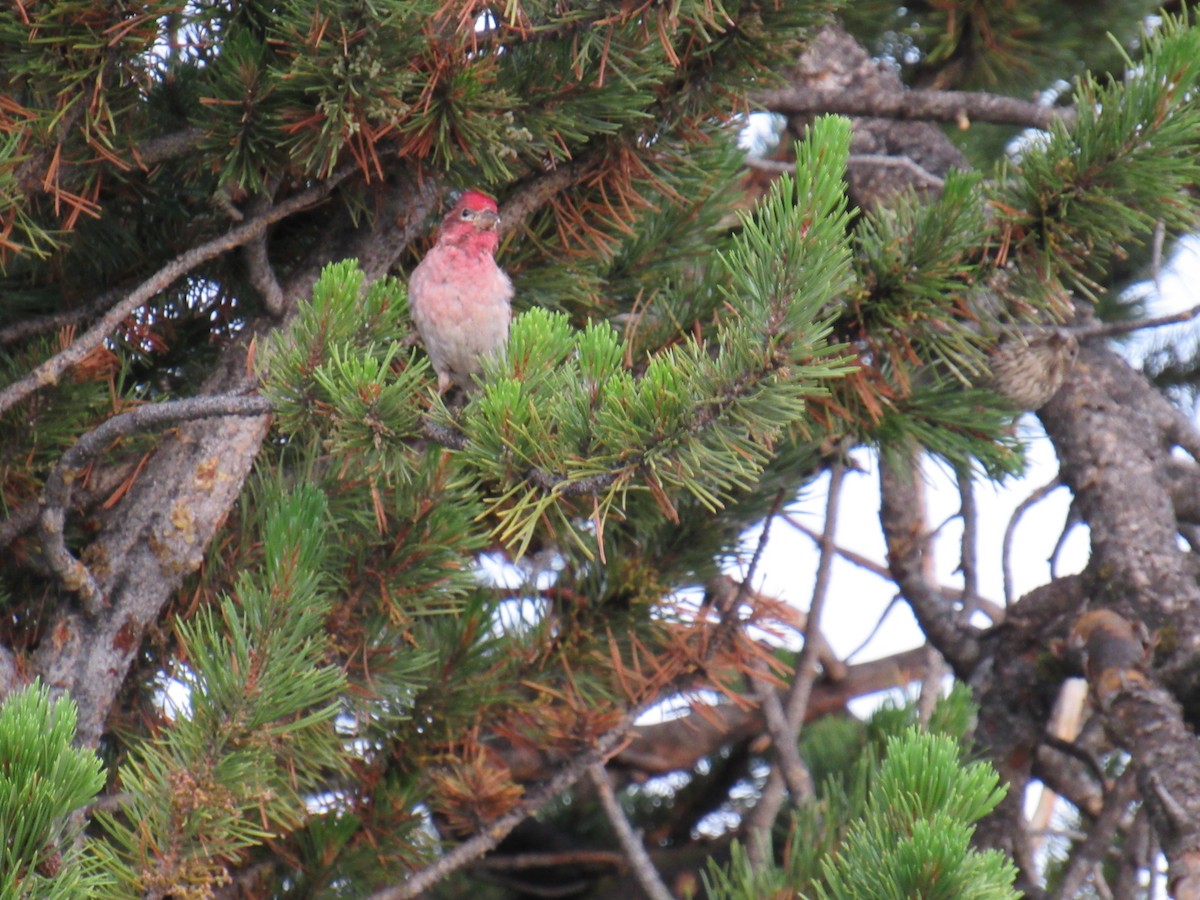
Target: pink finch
column 459, row 297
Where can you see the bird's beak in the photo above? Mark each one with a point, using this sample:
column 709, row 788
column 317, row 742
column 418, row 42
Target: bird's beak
column 486, row 220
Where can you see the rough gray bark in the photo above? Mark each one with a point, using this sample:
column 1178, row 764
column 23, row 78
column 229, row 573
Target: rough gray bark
column 157, row 535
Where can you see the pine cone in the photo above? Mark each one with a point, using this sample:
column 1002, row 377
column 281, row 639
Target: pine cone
column 1027, row 372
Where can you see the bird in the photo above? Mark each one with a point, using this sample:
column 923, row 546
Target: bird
column 460, row 299
column 1028, row 371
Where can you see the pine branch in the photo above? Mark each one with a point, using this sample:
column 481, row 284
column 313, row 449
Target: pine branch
column 928, row 106
column 477, row 846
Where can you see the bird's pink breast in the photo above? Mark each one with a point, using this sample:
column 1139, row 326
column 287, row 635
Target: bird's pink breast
column 461, row 305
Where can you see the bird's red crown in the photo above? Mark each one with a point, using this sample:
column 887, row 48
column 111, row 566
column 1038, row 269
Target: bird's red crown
column 477, row 200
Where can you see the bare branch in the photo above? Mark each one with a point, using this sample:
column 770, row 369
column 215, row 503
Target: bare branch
column 1111, row 329
column 929, row 106
column 729, row 609
column 262, row 276
column 1010, row 530
column 536, row 192
column 902, row 516
column 794, row 773
column 788, row 773
column 32, row 327
column 921, row 176
column 989, row 608
column 521, row 861
column 639, row 861
column 806, row 666
column 152, row 151
column 969, row 546
column 52, row 369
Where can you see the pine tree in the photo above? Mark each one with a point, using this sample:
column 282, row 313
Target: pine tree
column 330, row 634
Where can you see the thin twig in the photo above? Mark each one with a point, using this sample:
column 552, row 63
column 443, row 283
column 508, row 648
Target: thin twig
column 1073, row 519
column 875, row 629
column 52, row 369
column 969, row 546
column 762, row 818
column 929, row 106
column 1110, row 329
column 474, row 847
column 56, row 494
column 1010, row 530
column 729, row 615
column 882, row 160
column 988, row 607
column 639, row 860
column 806, row 669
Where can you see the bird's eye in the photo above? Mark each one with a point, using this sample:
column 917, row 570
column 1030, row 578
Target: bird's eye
column 466, row 214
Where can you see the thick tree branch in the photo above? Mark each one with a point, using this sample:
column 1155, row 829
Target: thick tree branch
column 1113, row 433
column 928, row 106
column 155, row 536
column 73, row 574
column 1147, row 721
